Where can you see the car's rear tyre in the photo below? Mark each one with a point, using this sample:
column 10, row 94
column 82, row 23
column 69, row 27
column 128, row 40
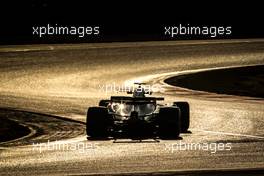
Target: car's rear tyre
column 169, row 122
column 97, row 122
column 104, row 103
column 185, row 115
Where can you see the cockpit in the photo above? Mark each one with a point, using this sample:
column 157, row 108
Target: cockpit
column 125, row 109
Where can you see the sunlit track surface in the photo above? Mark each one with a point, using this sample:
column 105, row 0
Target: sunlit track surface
column 63, row 80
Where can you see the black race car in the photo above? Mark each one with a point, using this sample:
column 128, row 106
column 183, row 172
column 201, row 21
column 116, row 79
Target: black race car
column 136, row 117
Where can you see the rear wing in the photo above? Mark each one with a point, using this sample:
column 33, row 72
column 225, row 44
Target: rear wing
column 135, row 99
column 147, row 92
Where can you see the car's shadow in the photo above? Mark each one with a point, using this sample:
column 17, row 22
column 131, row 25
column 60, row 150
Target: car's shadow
column 186, row 132
column 127, row 139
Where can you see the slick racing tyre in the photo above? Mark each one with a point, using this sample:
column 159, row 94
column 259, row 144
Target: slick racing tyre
column 97, row 122
column 185, row 115
column 169, row 122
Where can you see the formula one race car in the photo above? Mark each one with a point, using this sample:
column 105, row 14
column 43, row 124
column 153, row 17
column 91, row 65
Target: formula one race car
column 137, row 116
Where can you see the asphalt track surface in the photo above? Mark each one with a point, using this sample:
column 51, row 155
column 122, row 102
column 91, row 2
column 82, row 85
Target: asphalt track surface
column 48, row 88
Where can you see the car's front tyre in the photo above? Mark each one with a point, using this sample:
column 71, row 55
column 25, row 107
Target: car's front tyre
column 185, row 115
column 104, row 103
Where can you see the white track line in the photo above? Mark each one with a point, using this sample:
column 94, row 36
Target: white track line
column 177, row 73
column 229, row 134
